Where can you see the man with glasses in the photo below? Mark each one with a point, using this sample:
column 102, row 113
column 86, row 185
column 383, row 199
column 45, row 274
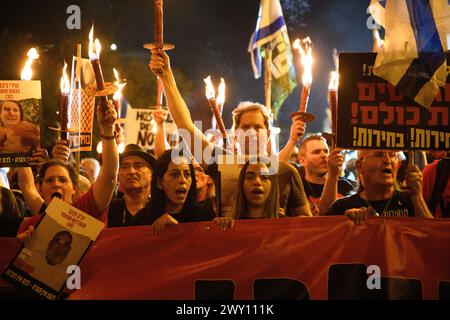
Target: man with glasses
column 379, row 196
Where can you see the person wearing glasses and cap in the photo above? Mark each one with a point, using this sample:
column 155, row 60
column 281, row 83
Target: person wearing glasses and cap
column 379, row 195
column 135, row 176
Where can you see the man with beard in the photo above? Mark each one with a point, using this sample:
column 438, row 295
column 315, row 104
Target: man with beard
column 321, row 174
column 135, row 175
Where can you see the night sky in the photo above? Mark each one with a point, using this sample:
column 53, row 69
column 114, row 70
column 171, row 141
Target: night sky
column 211, row 37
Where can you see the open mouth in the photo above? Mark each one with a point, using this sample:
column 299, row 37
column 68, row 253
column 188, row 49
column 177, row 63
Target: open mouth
column 56, row 195
column 257, row 192
column 181, row 191
column 387, row 171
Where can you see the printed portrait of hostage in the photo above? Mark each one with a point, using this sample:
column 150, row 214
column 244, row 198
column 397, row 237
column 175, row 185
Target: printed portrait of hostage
column 48, row 264
column 16, row 134
column 58, row 248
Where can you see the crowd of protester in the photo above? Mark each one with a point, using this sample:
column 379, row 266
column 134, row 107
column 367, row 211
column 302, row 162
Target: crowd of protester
column 163, row 186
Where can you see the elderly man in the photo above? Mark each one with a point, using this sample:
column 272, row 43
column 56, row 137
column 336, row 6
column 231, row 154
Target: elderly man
column 135, row 175
column 377, row 170
column 251, row 128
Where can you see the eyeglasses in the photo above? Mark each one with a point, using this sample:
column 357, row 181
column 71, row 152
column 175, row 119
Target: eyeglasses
column 61, row 179
column 393, row 156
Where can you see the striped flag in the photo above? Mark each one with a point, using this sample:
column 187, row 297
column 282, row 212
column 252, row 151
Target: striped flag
column 413, row 57
column 271, row 29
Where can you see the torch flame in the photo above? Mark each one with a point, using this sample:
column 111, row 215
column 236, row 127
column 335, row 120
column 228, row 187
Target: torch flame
column 305, row 50
column 209, row 89
column 94, row 46
column 65, row 83
column 118, row 94
column 334, row 81
column 27, row 72
column 221, row 95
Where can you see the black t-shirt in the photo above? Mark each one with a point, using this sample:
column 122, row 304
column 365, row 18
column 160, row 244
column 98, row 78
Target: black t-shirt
column 399, row 206
column 346, row 187
column 118, row 214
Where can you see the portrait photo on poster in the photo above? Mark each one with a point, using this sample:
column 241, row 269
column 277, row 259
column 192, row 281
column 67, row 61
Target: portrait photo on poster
column 20, row 105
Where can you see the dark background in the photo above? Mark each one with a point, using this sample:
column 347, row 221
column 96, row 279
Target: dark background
column 211, row 37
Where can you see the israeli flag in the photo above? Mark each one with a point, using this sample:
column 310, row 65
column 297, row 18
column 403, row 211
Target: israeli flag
column 271, row 29
column 413, row 55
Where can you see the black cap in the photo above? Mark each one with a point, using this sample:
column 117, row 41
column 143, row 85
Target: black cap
column 135, row 150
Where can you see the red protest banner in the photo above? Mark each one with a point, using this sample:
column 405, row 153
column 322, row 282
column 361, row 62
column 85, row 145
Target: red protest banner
column 292, row 258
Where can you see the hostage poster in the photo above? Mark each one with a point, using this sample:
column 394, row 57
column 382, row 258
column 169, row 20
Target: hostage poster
column 60, row 241
column 140, row 128
column 20, row 105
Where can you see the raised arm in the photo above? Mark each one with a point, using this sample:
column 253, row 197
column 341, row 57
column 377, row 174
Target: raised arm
column 103, row 187
column 297, row 132
column 61, row 150
column 27, row 185
column 161, row 145
column 30, row 194
column 414, row 183
column 160, row 66
column 330, row 189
